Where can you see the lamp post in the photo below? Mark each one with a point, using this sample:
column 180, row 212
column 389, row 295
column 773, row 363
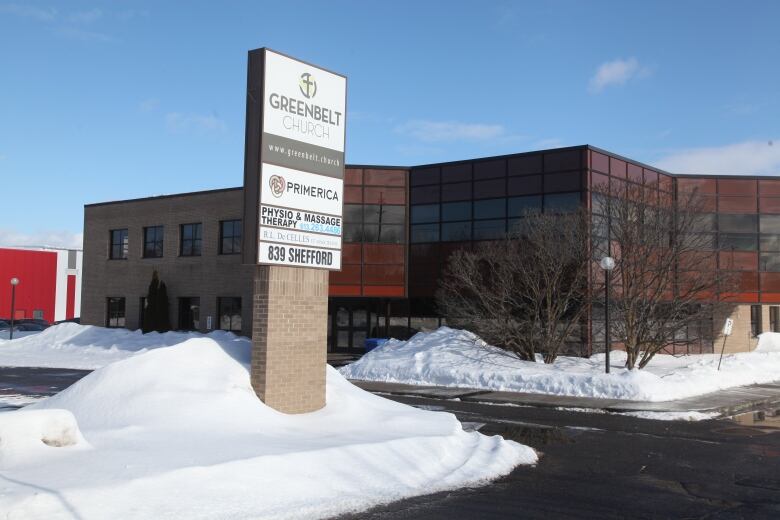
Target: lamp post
column 608, row 264
column 14, row 283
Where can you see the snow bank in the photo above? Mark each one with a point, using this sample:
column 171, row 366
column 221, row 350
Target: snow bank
column 768, row 342
column 457, row 358
column 70, row 345
column 30, row 435
column 178, row 433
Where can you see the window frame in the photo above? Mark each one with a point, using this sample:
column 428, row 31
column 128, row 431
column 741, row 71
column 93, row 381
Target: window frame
column 232, row 236
column 157, row 239
column 112, row 314
column 122, row 244
column 221, row 300
column 192, row 246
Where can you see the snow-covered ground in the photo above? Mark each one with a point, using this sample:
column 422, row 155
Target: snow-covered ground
column 457, row 358
column 70, row 345
column 177, row 432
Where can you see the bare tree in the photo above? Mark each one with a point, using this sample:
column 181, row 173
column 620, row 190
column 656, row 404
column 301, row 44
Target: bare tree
column 525, row 293
column 666, row 284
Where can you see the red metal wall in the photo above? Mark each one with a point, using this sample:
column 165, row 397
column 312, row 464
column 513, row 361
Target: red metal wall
column 37, row 273
column 70, row 305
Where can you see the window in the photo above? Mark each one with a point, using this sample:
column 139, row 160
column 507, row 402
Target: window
column 191, row 238
column 490, row 208
column 489, row 229
column 520, row 206
column 769, row 262
column 118, row 244
column 38, row 314
column 738, row 242
column 230, row 237
column 189, row 313
column 770, row 223
column 229, row 311
column 456, row 211
column 425, row 233
column 755, row 320
column 115, row 315
column 455, row 231
column 561, row 203
column 153, row 242
column 384, row 223
column 425, row 213
column 737, row 223
column 774, row 318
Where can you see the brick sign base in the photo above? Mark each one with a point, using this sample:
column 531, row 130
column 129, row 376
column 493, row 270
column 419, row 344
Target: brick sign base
column 289, row 337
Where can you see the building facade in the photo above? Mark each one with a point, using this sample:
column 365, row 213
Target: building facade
column 49, row 282
column 400, row 225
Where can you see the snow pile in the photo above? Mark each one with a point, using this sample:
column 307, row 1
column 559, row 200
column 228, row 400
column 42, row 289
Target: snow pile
column 457, row 358
column 69, row 345
column 691, row 415
column 768, row 342
column 178, row 432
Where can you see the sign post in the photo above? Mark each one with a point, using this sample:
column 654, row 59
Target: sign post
column 293, row 200
column 727, row 327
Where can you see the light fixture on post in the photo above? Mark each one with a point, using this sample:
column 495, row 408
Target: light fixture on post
column 607, row 264
column 14, row 283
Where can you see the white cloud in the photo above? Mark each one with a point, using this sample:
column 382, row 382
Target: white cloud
column 52, row 238
column 149, row 105
column 28, row 11
column 177, row 122
column 85, row 16
column 440, row 131
column 617, row 72
column 747, row 158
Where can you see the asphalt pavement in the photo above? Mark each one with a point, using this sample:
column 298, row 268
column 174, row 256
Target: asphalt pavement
column 593, row 464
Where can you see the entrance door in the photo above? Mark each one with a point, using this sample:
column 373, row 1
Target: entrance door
column 189, row 313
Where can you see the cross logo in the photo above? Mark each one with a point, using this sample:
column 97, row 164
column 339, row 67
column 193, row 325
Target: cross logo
column 307, row 85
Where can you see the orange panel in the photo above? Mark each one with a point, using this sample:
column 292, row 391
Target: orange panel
column 383, row 274
column 344, row 290
column 737, row 204
column 769, row 204
column 769, row 187
column 739, row 260
column 349, row 275
column 351, row 253
column 353, row 194
column 704, row 186
column 599, row 182
column 353, row 176
column 383, row 253
column 770, row 297
column 385, row 290
column 740, row 297
column 737, row 187
column 385, row 195
column 386, row 177
column 770, row 282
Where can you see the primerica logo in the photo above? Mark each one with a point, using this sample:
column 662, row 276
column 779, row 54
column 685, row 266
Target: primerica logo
column 308, row 85
column 277, row 185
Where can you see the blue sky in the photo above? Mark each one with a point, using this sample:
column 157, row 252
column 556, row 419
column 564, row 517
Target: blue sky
column 110, row 100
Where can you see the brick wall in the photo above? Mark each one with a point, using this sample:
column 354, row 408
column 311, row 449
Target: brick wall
column 208, row 276
column 289, row 338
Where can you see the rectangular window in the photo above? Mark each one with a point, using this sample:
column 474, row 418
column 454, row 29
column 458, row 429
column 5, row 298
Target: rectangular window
column 737, row 223
column 38, row 314
column 561, row 203
column 769, row 262
column 118, row 244
column 738, row 242
column 229, row 312
column 774, row 318
column 489, row 229
column 425, row 213
column 230, row 237
column 425, row 233
column 153, row 242
column 521, row 206
column 755, row 320
column 189, row 313
column 191, row 238
column 115, row 312
column 490, row 208
column 456, row 211
column 383, row 214
column 456, row 231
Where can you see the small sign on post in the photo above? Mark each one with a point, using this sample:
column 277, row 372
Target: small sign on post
column 726, row 333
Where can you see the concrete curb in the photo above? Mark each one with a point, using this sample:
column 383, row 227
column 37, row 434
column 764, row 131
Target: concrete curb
column 729, row 401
